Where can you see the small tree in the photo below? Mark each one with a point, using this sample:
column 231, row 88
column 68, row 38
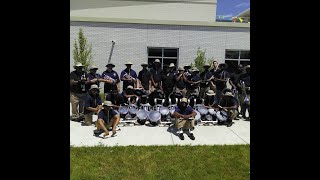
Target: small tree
column 82, row 51
column 200, row 60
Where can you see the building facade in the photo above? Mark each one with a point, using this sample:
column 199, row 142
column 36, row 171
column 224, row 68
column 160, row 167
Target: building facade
column 169, row 30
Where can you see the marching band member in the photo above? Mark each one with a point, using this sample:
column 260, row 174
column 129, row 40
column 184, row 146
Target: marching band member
column 78, row 91
column 128, row 76
column 183, row 113
column 180, row 82
column 111, row 79
column 156, row 75
column 144, row 78
column 206, row 77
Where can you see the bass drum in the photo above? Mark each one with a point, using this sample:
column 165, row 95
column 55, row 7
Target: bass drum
column 222, row 115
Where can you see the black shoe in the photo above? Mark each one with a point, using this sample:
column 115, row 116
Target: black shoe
column 97, row 132
column 191, row 136
column 236, row 118
column 229, row 124
column 181, row 136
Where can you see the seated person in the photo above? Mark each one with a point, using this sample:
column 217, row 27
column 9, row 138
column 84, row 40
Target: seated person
column 209, row 99
column 107, row 117
column 182, row 114
column 229, row 104
column 128, row 94
column 115, row 98
column 92, row 104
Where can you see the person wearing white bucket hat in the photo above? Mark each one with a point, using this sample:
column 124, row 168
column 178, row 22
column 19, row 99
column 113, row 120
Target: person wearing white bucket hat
column 229, row 104
column 209, row 99
column 128, row 76
column 92, row 104
column 111, row 79
column 93, row 76
column 184, row 115
column 107, row 117
column 78, row 88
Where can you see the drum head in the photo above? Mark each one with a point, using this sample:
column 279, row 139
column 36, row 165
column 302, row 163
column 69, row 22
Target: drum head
column 198, row 116
column 209, row 117
column 164, row 111
column 203, row 110
column 154, row 116
column 142, row 114
column 212, row 111
column 221, row 115
column 123, row 109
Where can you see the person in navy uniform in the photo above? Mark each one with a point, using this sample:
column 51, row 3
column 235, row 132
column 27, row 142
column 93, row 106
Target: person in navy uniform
column 111, row 79
column 93, row 76
column 128, row 76
column 92, row 104
column 229, row 104
column 78, row 90
column 144, row 78
column 206, row 77
column 107, row 118
column 184, row 116
column 156, row 75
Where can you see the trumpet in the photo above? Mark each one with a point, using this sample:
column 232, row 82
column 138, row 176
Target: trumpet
column 129, row 77
column 106, row 77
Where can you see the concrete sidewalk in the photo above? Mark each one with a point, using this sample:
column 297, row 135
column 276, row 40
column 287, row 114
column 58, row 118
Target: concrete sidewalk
column 238, row 133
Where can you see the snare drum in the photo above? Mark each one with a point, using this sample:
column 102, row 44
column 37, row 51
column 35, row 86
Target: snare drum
column 164, row 111
column 198, row 116
column 172, row 109
column 123, row 110
column 202, row 110
column 133, row 109
column 212, row 111
column 222, row 115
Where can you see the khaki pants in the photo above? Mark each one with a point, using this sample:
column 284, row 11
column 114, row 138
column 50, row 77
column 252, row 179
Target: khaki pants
column 203, row 90
column 76, row 100
column 232, row 113
column 184, row 124
column 88, row 118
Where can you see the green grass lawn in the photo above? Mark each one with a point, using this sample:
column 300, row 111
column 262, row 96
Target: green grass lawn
column 160, row 162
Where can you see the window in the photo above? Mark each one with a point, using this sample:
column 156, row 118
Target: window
column 165, row 55
column 235, row 57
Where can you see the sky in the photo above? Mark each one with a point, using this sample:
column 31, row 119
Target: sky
column 229, row 8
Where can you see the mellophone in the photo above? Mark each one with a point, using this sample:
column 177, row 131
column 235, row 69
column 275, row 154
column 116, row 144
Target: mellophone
column 160, row 114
